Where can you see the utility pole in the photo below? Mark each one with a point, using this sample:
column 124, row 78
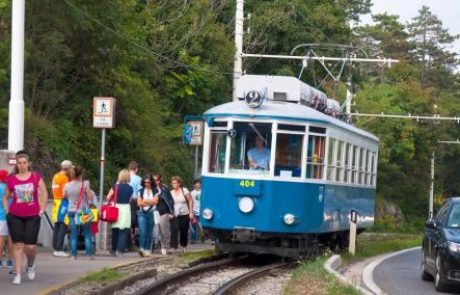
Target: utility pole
column 16, row 106
column 430, row 207
column 238, row 63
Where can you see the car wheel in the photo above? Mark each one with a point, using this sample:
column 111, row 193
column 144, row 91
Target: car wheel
column 439, row 281
column 426, row 276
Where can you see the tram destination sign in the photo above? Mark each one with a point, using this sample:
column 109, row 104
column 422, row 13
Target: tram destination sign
column 193, row 132
column 104, row 112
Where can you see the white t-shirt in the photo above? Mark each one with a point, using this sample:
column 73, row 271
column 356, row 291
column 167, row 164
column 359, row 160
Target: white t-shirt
column 147, row 195
column 196, row 196
column 180, row 202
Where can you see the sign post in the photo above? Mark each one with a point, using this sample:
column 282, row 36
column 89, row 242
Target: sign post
column 193, row 135
column 103, row 118
column 353, row 220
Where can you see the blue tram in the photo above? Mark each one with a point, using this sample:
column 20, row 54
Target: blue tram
column 279, row 175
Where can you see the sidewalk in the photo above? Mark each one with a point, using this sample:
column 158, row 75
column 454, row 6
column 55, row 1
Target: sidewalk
column 53, row 271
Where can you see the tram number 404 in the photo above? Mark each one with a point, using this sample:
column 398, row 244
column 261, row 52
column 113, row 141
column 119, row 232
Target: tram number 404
column 247, row 183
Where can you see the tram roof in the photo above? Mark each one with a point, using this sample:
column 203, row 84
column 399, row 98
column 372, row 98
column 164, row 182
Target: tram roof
column 282, row 111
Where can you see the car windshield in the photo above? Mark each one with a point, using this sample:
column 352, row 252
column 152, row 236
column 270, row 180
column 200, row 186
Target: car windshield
column 454, row 217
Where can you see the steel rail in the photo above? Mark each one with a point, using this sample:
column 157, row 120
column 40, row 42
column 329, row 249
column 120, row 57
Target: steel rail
column 238, row 281
column 158, row 286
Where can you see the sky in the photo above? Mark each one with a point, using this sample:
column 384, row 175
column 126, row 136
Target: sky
column 448, row 11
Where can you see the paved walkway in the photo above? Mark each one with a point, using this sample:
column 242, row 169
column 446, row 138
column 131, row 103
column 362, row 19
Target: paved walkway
column 53, row 272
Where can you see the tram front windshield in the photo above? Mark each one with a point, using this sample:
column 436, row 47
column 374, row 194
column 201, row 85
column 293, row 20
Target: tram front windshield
column 251, row 148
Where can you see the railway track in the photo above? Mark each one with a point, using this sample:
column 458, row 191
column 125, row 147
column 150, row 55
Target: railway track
column 219, row 277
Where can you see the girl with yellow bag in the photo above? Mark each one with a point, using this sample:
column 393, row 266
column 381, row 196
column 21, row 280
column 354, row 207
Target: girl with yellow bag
column 79, row 194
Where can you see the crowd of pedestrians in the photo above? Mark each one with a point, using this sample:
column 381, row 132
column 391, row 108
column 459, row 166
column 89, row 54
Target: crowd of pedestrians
column 151, row 214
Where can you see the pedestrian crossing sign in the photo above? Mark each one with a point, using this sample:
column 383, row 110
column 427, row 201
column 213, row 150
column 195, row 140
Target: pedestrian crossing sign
column 103, row 112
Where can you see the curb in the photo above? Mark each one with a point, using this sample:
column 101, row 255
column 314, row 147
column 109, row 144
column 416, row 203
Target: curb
column 332, row 264
column 368, row 279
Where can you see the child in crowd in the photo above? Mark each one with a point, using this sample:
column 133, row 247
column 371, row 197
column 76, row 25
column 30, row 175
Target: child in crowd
column 4, row 233
column 196, row 196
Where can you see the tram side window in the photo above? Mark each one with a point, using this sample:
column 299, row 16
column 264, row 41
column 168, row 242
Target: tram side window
column 368, row 168
column 288, row 155
column 373, row 168
column 339, row 161
column 347, row 171
column 218, row 145
column 354, row 163
column 251, row 148
column 331, row 160
column 361, row 166
column 315, row 156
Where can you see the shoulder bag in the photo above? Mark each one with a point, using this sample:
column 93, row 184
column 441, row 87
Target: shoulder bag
column 84, row 215
column 109, row 212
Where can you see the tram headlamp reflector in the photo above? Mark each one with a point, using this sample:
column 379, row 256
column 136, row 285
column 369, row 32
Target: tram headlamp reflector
column 208, row 214
column 289, row 218
column 246, row 204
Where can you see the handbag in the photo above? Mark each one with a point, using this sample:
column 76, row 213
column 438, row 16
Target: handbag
column 109, row 212
column 84, row 215
column 62, row 209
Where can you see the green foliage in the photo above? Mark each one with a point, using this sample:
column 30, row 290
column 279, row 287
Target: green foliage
column 103, row 276
column 308, row 273
column 166, row 59
column 195, row 255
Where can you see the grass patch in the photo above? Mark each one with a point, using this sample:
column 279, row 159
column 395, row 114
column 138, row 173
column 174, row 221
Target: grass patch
column 372, row 244
column 105, row 275
column 190, row 256
column 388, row 225
column 310, row 278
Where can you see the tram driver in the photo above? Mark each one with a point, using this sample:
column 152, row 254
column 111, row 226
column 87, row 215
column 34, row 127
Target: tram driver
column 259, row 156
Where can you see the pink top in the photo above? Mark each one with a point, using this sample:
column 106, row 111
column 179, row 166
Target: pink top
column 25, row 195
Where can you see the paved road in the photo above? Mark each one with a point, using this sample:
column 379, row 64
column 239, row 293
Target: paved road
column 400, row 275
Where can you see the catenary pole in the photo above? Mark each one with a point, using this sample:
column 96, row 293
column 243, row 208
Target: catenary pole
column 238, row 64
column 16, row 105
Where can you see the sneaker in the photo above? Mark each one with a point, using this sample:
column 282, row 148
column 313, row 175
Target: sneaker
column 56, row 253
column 184, row 250
column 91, row 257
column 73, row 257
column 12, row 272
column 172, row 251
column 31, row 272
column 17, row 280
column 146, row 253
column 1, row 263
column 9, row 263
column 62, row 254
column 141, row 252
column 163, row 251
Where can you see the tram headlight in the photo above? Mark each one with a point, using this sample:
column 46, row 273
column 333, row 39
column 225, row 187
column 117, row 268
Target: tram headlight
column 208, row 214
column 246, row 204
column 289, row 218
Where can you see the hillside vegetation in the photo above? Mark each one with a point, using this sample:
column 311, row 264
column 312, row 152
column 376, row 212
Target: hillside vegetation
column 166, row 59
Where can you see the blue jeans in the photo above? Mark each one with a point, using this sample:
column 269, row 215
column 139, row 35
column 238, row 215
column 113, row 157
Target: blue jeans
column 74, row 236
column 145, row 222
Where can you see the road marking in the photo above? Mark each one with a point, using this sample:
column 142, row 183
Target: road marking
column 368, row 278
